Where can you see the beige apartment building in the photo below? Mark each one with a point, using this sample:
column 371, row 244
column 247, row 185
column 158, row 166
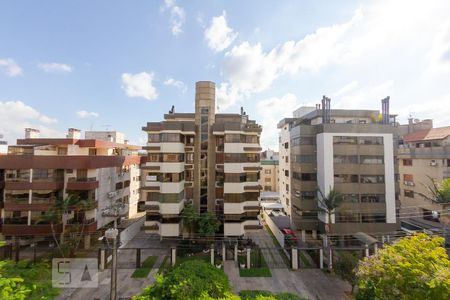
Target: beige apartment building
column 205, row 158
column 36, row 171
column 269, row 175
column 424, row 156
column 352, row 151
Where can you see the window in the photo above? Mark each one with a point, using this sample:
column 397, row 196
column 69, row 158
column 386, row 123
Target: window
column 189, row 158
column 345, row 178
column 232, row 138
column 287, row 187
column 344, row 140
column 267, row 171
column 407, row 162
column 372, row 198
column 373, row 218
column 345, row 159
column 92, row 151
column 286, row 145
column 371, row 159
column 409, row 193
column 308, row 140
column 62, row 151
column 267, row 179
column 308, row 177
column 347, row 217
column 286, row 159
column 408, row 178
column 448, row 162
column 153, row 138
column 305, row 158
column 286, row 173
column 372, row 178
column 170, row 137
column 353, row 198
column 308, row 195
column 370, row 140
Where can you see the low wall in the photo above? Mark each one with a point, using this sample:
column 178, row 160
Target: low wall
column 275, row 230
column 131, row 230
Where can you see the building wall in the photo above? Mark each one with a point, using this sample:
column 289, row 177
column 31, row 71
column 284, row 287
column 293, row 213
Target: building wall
column 285, row 168
column 269, row 177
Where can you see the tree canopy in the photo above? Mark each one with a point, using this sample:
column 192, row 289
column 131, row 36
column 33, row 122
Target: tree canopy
column 416, row 267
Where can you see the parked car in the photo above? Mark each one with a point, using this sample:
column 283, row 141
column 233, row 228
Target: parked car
column 289, row 233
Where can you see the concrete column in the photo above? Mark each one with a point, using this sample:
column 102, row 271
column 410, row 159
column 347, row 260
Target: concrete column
column 314, row 234
column 367, row 250
column 294, row 258
column 325, row 240
column 304, row 235
column 87, row 241
column 248, row 258
column 224, row 253
column 102, row 259
column 321, row 258
column 330, row 259
column 173, row 256
column 383, row 240
column 375, row 248
column 388, row 238
column 212, row 254
column 236, row 252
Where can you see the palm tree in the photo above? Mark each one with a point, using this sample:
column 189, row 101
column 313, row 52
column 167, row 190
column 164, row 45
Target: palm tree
column 52, row 216
column 440, row 192
column 328, row 203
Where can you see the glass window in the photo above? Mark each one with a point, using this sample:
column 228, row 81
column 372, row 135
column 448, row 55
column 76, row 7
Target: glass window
column 232, row 138
column 372, row 178
column 153, row 138
column 345, row 159
column 370, row 140
column 305, row 158
column 372, row 198
column 345, row 178
column 409, row 193
column 170, row 137
column 372, row 159
column 407, row 162
column 344, row 140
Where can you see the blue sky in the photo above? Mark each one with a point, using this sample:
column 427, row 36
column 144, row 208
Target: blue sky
column 119, row 64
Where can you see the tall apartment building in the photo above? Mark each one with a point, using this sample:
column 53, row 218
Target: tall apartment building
column 423, row 155
column 269, row 171
column 37, row 171
column 352, row 151
column 211, row 160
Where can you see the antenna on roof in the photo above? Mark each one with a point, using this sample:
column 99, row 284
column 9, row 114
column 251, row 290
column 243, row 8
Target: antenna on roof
column 107, row 126
column 172, row 110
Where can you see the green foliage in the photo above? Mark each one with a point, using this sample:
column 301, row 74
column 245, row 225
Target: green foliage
column 147, row 266
column 416, row 267
column 331, row 201
column 189, row 217
column 25, row 280
column 440, row 192
column 208, row 224
column 193, row 279
column 164, row 265
column 345, row 267
column 266, row 295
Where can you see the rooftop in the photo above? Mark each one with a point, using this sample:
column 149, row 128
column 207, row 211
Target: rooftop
column 428, row 134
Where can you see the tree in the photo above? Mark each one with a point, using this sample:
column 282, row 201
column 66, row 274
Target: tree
column 193, row 279
column 189, row 218
column 345, row 267
column 207, row 224
column 416, row 267
column 69, row 240
column 440, row 192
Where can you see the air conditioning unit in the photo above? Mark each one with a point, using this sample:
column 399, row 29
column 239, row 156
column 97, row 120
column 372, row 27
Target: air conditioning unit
column 433, row 163
column 408, row 183
column 112, row 195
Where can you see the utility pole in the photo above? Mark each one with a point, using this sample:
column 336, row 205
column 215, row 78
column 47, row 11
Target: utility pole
column 115, row 210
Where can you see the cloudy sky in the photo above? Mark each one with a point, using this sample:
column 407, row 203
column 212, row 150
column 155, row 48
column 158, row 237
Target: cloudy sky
column 118, row 64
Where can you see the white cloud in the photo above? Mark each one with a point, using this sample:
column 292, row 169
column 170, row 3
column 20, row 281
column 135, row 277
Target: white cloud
column 270, row 112
column 83, row 114
column 218, row 35
column 55, row 67
column 177, row 16
column 10, row 67
column 15, row 116
column 362, row 97
column 439, row 54
column 227, row 96
column 139, row 85
column 176, row 83
column 249, row 69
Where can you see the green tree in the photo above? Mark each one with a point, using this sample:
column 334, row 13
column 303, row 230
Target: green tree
column 438, row 192
column 207, row 224
column 416, row 267
column 24, row 280
column 189, row 218
column 345, row 267
column 193, row 279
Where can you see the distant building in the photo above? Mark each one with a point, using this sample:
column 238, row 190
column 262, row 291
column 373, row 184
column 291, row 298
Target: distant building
column 36, row 171
column 424, row 157
column 351, row 151
column 269, row 175
column 211, row 160
column 3, row 145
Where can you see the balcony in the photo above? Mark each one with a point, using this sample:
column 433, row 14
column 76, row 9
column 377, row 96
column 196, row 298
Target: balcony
column 24, row 206
column 9, row 229
column 82, row 184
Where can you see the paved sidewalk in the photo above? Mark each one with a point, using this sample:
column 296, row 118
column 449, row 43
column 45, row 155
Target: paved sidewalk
column 312, row 284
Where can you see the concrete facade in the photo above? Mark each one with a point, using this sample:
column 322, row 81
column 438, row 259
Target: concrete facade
column 207, row 159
